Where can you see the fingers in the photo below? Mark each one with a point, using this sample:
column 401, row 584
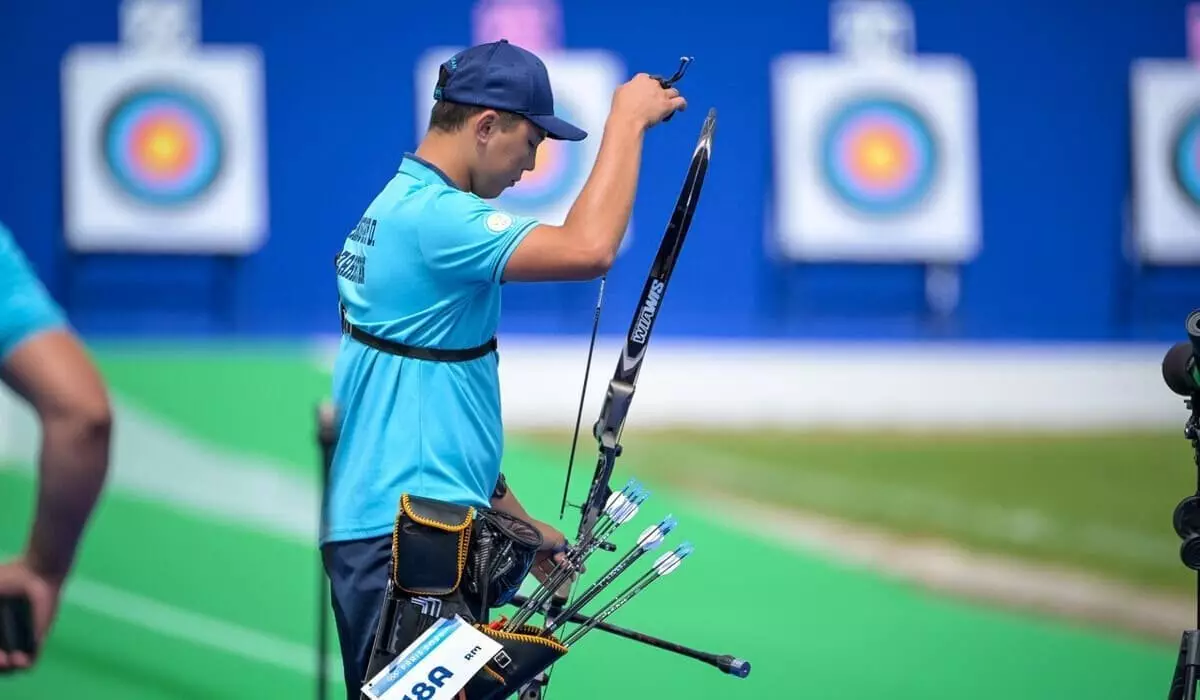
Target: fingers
column 675, row 103
column 561, row 558
column 14, row 660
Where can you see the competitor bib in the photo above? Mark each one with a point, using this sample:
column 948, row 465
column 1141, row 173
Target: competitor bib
column 435, row 666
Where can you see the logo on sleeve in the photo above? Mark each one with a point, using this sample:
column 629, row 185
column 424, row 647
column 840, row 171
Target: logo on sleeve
column 498, row 222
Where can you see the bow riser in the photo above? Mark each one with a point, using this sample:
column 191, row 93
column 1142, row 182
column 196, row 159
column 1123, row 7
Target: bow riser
column 617, row 400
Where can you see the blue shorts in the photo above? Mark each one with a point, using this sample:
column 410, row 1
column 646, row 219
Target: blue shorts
column 358, row 574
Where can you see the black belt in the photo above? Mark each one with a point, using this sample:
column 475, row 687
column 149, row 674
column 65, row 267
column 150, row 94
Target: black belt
column 434, row 354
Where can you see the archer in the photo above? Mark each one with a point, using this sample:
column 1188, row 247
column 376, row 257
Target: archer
column 415, row 381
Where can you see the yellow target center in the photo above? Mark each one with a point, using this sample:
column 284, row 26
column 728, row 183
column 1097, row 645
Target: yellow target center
column 879, row 157
column 163, row 148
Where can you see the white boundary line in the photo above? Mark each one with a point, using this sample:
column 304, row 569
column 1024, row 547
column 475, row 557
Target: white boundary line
column 201, row 630
column 957, row 571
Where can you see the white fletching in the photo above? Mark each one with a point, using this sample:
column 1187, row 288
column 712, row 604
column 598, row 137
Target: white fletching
column 625, row 514
column 671, row 560
column 614, row 502
column 667, row 563
column 650, row 538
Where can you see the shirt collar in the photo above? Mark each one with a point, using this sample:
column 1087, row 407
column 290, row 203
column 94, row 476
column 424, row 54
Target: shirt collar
column 414, row 164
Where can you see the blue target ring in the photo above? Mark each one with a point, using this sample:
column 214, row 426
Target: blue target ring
column 557, row 169
column 879, row 155
column 162, row 145
column 1185, row 157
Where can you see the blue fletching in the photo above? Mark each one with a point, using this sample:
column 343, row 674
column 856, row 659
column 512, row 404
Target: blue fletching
column 668, row 523
column 684, row 549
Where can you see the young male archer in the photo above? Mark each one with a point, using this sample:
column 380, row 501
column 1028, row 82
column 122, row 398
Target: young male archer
column 416, row 377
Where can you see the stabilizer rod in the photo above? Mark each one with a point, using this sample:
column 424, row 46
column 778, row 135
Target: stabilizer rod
column 726, row 663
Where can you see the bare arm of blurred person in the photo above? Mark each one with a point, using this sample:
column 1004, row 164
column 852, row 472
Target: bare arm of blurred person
column 45, row 364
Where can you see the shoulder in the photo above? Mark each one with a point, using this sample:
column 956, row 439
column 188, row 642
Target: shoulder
column 8, row 246
column 13, row 262
column 26, row 307
column 450, row 204
column 449, row 209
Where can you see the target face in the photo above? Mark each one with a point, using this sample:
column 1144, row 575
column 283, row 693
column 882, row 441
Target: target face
column 879, row 156
column 554, row 174
column 162, row 145
column 1185, row 158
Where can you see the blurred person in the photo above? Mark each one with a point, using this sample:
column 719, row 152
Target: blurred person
column 424, row 268
column 44, row 363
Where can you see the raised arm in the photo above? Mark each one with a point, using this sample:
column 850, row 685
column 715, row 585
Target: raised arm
column 586, row 244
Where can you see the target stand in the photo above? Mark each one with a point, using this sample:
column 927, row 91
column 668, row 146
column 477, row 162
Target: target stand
column 164, row 163
column 895, row 182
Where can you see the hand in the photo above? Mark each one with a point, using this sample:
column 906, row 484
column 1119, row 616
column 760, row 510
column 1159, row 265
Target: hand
column 644, row 100
column 552, row 553
column 552, row 538
column 18, row 578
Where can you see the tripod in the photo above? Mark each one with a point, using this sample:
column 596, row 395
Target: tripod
column 1187, row 526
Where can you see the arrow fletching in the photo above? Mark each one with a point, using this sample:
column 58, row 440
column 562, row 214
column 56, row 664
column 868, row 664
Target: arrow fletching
column 671, row 560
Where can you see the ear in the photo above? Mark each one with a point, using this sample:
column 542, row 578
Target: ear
column 486, row 124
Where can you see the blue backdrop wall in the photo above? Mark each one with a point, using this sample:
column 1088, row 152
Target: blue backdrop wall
column 1053, row 83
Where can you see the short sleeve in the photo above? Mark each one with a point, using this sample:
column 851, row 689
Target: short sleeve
column 26, row 307
column 467, row 239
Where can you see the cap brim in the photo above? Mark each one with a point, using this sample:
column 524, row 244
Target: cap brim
column 557, row 128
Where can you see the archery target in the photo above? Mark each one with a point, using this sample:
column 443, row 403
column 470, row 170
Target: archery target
column 875, row 160
column 164, row 152
column 879, row 155
column 1165, row 98
column 583, row 82
column 1185, row 158
column 162, row 145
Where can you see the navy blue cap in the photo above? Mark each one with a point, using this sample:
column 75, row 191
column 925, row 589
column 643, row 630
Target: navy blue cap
column 507, row 77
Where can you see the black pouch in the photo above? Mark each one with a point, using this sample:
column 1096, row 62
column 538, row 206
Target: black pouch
column 503, row 553
column 429, row 546
column 525, row 654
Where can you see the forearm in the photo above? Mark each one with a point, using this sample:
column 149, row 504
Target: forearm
column 52, row 371
column 72, row 469
column 604, row 205
column 508, row 503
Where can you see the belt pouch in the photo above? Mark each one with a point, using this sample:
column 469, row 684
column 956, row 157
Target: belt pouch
column 429, row 545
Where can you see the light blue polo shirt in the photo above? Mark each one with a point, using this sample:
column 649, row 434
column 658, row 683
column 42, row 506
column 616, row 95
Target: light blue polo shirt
column 422, row 267
column 26, row 307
